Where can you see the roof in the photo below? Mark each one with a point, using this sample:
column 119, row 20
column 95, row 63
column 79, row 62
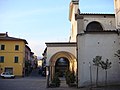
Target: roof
column 61, row 44
column 12, row 39
column 102, row 32
column 28, row 47
column 4, row 34
column 32, row 53
column 81, row 15
column 96, row 14
column 5, row 37
column 44, row 51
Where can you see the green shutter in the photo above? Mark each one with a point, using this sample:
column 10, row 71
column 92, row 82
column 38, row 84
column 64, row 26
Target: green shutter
column 1, row 59
column 16, row 60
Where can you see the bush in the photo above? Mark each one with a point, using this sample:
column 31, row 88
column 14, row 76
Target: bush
column 55, row 81
column 70, row 78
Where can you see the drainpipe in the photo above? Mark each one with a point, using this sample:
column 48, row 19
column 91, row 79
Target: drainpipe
column 77, row 57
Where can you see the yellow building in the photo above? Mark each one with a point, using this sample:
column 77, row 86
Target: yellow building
column 12, row 54
column 39, row 62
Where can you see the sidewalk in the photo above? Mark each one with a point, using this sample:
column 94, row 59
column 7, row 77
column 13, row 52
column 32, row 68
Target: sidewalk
column 74, row 88
column 64, row 86
column 34, row 74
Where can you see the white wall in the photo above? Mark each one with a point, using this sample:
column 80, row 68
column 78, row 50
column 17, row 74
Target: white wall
column 107, row 23
column 73, row 11
column 53, row 50
column 91, row 45
column 117, row 12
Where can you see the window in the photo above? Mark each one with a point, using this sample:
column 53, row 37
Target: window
column 94, row 26
column 1, row 59
column 2, row 47
column 16, row 47
column 16, row 59
column 9, row 70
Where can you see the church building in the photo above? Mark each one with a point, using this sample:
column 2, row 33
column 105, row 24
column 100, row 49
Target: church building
column 92, row 35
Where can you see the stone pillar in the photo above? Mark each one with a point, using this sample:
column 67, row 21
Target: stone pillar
column 52, row 70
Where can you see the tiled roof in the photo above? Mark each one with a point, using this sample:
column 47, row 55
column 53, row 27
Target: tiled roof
column 28, row 47
column 7, row 38
column 61, row 44
column 104, row 31
column 81, row 15
column 96, row 14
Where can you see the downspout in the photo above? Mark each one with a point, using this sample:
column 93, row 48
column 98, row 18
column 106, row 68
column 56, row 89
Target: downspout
column 77, row 51
column 77, row 57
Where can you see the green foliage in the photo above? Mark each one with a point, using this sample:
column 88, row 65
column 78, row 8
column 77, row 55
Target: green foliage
column 70, row 78
column 105, row 64
column 118, row 54
column 97, row 60
column 27, row 67
column 27, row 64
column 55, row 80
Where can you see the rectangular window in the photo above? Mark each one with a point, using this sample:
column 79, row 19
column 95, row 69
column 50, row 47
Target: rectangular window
column 2, row 47
column 9, row 69
column 16, row 47
column 1, row 59
column 16, row 59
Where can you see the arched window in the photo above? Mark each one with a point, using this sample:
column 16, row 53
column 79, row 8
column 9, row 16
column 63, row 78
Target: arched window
column 94, row 26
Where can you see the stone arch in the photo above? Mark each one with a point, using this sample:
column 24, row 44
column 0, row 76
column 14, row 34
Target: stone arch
column 94, row 26
column 68, row 55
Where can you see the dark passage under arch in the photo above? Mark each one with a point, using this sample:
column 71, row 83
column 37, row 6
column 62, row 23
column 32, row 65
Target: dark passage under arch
column 61, row 66
column 94, row 26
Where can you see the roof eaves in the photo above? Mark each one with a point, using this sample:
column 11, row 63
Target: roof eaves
column 12, row 39
column 97, row 14
column 105, row 31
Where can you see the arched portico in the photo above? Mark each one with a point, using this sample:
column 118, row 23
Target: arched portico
column 63, row 54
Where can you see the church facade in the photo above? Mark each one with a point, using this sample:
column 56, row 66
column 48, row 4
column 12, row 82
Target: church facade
column 91, row 35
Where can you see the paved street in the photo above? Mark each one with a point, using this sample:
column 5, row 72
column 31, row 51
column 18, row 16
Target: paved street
column 36, row 82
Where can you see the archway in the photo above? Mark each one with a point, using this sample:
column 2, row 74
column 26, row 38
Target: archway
column 68, row 57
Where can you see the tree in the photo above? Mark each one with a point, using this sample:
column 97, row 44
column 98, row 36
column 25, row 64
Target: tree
column 27, row 67
column 70, row 78
column 118, row 54
column 55, row 81
column 96, row 62
column 105, row 65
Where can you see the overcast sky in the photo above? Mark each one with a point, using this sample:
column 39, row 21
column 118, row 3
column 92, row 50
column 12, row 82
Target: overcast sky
column 40, row 21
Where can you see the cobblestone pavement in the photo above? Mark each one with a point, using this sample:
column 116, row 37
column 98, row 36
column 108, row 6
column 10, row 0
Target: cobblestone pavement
column 36, row 82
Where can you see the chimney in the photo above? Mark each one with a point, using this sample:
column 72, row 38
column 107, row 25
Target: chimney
column 6, row 34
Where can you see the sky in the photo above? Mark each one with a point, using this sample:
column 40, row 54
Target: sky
column 41, row 21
